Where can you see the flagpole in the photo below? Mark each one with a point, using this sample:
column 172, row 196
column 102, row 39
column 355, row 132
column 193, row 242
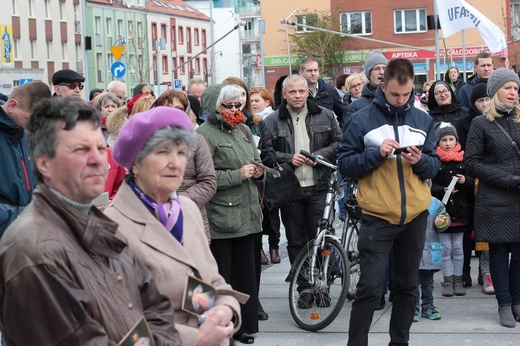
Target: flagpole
column 464, row 53
column 437, row 53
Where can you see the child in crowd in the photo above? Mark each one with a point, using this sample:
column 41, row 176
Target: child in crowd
column 438, row 221
column 458, row 206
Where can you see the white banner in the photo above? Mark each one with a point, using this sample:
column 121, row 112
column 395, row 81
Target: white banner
column 457, row 15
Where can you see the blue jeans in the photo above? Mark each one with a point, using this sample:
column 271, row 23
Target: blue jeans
column 376, row 239
column 425, row 281
column 505, row 273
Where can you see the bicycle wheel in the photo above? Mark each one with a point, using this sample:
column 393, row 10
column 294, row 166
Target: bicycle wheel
column 353, row 257
column 316, row 295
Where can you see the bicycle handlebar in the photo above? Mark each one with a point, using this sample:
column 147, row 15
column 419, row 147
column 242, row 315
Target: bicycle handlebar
column 318, row 158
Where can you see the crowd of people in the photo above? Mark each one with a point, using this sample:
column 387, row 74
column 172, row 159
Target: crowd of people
column 135, row 196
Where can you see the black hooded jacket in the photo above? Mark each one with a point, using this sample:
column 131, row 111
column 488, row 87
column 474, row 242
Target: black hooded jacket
column 449, row 113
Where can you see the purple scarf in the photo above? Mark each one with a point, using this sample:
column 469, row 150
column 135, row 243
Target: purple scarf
column 169, row 213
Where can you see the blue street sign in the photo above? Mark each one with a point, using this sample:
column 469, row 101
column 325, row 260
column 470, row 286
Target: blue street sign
column 177, row 84
column 118, row 69
column 25, row 80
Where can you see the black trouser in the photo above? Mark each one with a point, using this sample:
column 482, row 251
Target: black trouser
column 300, row 219
column 236, row 263
column 271, row 227
column 376, row 238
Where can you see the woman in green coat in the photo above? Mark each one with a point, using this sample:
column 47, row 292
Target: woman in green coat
column 234, row 212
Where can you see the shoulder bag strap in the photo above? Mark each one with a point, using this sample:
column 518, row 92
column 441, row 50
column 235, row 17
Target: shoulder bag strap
column 513, row 143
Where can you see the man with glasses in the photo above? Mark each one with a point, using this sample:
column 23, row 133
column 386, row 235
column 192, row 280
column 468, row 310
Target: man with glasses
column 301, row 124
column 323, row 94
column 374, row 68
column 67, row 83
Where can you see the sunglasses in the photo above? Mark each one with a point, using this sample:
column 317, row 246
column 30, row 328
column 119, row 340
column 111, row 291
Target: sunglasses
column 231, row 105
column 72, row 85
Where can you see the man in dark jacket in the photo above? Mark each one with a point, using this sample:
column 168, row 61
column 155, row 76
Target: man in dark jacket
column 300, row 124
column 483, row 67
column 374, row 68
column 62, row 262
column 393, row 194
column 17, row 183
column 323, row 94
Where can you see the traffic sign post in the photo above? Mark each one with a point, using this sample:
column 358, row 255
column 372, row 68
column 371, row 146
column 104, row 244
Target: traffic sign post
column 177, row 84
column 118, row 69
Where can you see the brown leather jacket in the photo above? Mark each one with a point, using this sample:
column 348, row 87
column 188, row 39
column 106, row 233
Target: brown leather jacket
column 67, row 278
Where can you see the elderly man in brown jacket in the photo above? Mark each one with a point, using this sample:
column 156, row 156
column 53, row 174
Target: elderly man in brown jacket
column 66, row 276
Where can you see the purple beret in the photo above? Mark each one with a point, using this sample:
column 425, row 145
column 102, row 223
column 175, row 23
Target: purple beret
column 137, row 131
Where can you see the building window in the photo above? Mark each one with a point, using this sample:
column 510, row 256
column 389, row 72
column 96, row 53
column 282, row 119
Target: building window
column 140, row 35
column 183, row 66
column 120, row 29
column 99, row 66
column 188, row 39
column 16, row 42
column 515, row 20
column 410, row 21
column 356, row 23
column 196, row 36
column 33, row 49
column 174, row 33
column 48, row 46
column 165, row 64
column 62, row 10
column 130, row 29
column 180, row 36
column 108, row 31
column 77, row 22
column 30, row 8
column 14, row 7
column 203, row 38
column 46, row 7
column 154, row 34
column 64, row 55
column 308, row 19
column 164, row 33
column 174, row 67
column 197, row 65
column 110, row 60
column 97, row 28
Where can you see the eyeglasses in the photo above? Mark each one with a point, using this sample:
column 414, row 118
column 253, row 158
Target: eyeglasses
column 72, row 85
column 356, row 86
column 231, row 105
column 442, row 92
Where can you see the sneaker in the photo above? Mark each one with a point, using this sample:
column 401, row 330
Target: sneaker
column 487, row 287
column 322, row 300
column 305, row 300
column 417, row 315
column 431, row 313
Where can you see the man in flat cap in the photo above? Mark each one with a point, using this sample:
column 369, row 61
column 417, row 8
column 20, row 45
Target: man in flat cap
column 67, row 83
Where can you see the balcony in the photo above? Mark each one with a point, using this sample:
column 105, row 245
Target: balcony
column 248, row 10
column 250, row 35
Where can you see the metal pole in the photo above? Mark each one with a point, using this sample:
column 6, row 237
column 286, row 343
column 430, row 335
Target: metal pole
column 464, row 54
column 261, row 23
column 157, row 68
column 212, row 35
column 284, row 21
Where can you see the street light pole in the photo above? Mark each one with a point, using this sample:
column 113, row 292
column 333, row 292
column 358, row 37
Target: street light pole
column 284, row 21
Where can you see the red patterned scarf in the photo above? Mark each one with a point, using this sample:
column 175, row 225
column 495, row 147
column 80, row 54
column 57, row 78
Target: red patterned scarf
column 233, row 119
column 455, row 154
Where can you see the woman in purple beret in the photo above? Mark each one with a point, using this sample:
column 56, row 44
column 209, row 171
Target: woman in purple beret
column 164, row 229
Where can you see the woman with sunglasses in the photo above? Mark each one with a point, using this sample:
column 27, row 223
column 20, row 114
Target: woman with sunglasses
column 442, row 104
column 234, row 212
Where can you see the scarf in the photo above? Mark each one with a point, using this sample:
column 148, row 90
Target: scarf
column 233, row 119
column 169, row 213
column 502, row 108
column 456, row 154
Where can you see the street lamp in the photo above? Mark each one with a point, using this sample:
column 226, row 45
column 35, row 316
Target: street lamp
column 284, row 21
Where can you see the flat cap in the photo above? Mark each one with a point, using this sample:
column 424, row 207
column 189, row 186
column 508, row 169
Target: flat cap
column 66, row 75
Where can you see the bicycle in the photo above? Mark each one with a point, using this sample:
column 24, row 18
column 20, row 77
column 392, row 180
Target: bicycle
column 321, row 269
column 350, row 234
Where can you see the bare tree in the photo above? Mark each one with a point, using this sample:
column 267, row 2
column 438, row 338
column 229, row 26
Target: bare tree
column 136, row 58
column 323, row 46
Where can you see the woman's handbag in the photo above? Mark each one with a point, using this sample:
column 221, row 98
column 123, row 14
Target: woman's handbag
column 277, row 192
